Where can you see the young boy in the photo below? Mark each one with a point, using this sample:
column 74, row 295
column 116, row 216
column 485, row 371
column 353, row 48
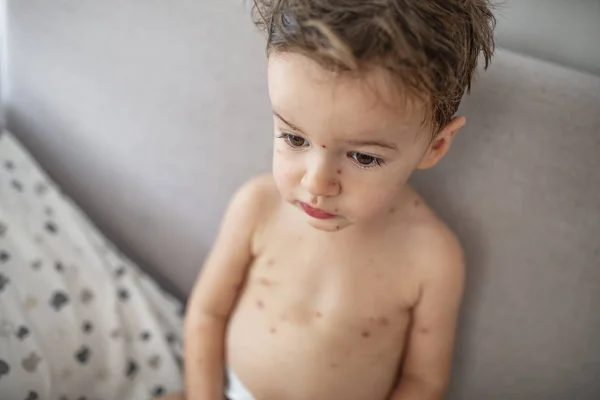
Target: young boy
column 331, row 278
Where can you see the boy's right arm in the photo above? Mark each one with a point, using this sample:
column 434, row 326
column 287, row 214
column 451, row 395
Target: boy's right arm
column 214, row 295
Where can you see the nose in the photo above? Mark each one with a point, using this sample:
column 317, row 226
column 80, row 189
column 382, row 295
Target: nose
column 320, row 179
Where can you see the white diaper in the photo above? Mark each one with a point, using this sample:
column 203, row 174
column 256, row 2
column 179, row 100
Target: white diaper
column 235, row 389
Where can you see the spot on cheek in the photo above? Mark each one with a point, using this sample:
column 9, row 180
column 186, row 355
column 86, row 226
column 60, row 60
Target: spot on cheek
column 339, row 171
column 271, row 262
column 417, row 203
column 318, row 314
column 392, row 210
column 260, row 304
column 383, row 321
column 273, row 330
column 334, row 365
column 366, row 334
column 323, row 146
column 337, row 227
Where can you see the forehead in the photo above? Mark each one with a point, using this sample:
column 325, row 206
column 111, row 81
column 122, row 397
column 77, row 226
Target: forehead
column 317, row 99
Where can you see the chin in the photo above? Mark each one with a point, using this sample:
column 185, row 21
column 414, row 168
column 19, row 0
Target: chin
column 328, row 225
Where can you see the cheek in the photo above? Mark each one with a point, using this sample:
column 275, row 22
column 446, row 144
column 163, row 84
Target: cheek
column 284, row 171
column 374, row 201
column 374, row 197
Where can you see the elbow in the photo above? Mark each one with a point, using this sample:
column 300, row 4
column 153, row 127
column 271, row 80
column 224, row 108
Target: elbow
column 203, row 322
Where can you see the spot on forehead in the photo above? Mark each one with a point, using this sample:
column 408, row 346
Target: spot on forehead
column 366, row 334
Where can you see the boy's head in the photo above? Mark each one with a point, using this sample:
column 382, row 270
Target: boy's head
column 343, row 73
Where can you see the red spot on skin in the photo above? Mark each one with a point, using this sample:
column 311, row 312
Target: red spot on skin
column 366, row 334
column 339, row 171
column 323, row 146
column 417, row 203
column 336, row 210
column 319, row 315
column 271, row 261
column 273, row 330
column 260, row 304
column 383, row 321
column 337, row 227
column 264, row 281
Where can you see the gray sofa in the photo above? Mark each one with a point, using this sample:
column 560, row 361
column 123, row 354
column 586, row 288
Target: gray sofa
column 150, row 115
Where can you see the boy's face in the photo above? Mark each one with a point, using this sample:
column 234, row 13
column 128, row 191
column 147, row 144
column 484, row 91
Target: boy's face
column 344, row 147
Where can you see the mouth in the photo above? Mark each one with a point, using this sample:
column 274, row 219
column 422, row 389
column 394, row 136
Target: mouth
column 316, row 212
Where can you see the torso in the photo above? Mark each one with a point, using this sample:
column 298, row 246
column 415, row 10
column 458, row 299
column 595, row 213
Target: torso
column 321, row 316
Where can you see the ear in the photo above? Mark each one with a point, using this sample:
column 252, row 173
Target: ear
column 441, row 144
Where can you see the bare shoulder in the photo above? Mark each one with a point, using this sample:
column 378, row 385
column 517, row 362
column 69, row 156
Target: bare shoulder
column 434, row 249
column 254, row 202
column 259, row 195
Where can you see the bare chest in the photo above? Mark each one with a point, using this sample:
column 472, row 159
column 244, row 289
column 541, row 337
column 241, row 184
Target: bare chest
column 337, row 314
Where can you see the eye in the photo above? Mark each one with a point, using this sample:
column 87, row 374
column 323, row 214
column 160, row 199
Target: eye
column 364, row 160
column 294, row 140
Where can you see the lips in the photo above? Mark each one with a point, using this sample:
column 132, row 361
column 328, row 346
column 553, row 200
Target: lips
column 316, row 212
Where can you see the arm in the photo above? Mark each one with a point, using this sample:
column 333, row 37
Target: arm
column 426, row 368
column 214, row 295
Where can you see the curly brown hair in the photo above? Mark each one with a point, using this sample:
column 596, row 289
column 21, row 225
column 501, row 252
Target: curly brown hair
column 430, row 46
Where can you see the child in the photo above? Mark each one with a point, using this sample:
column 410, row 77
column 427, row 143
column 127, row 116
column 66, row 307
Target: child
column 331, row 278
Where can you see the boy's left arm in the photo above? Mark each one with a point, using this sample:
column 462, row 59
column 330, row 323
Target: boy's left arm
column 426, row 367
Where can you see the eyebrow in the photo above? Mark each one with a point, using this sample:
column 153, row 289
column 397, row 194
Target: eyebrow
column 359, row 143
column 294, row 127
column 378, row 143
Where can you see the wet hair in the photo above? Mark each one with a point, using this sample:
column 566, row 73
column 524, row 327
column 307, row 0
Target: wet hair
column 429, row 47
